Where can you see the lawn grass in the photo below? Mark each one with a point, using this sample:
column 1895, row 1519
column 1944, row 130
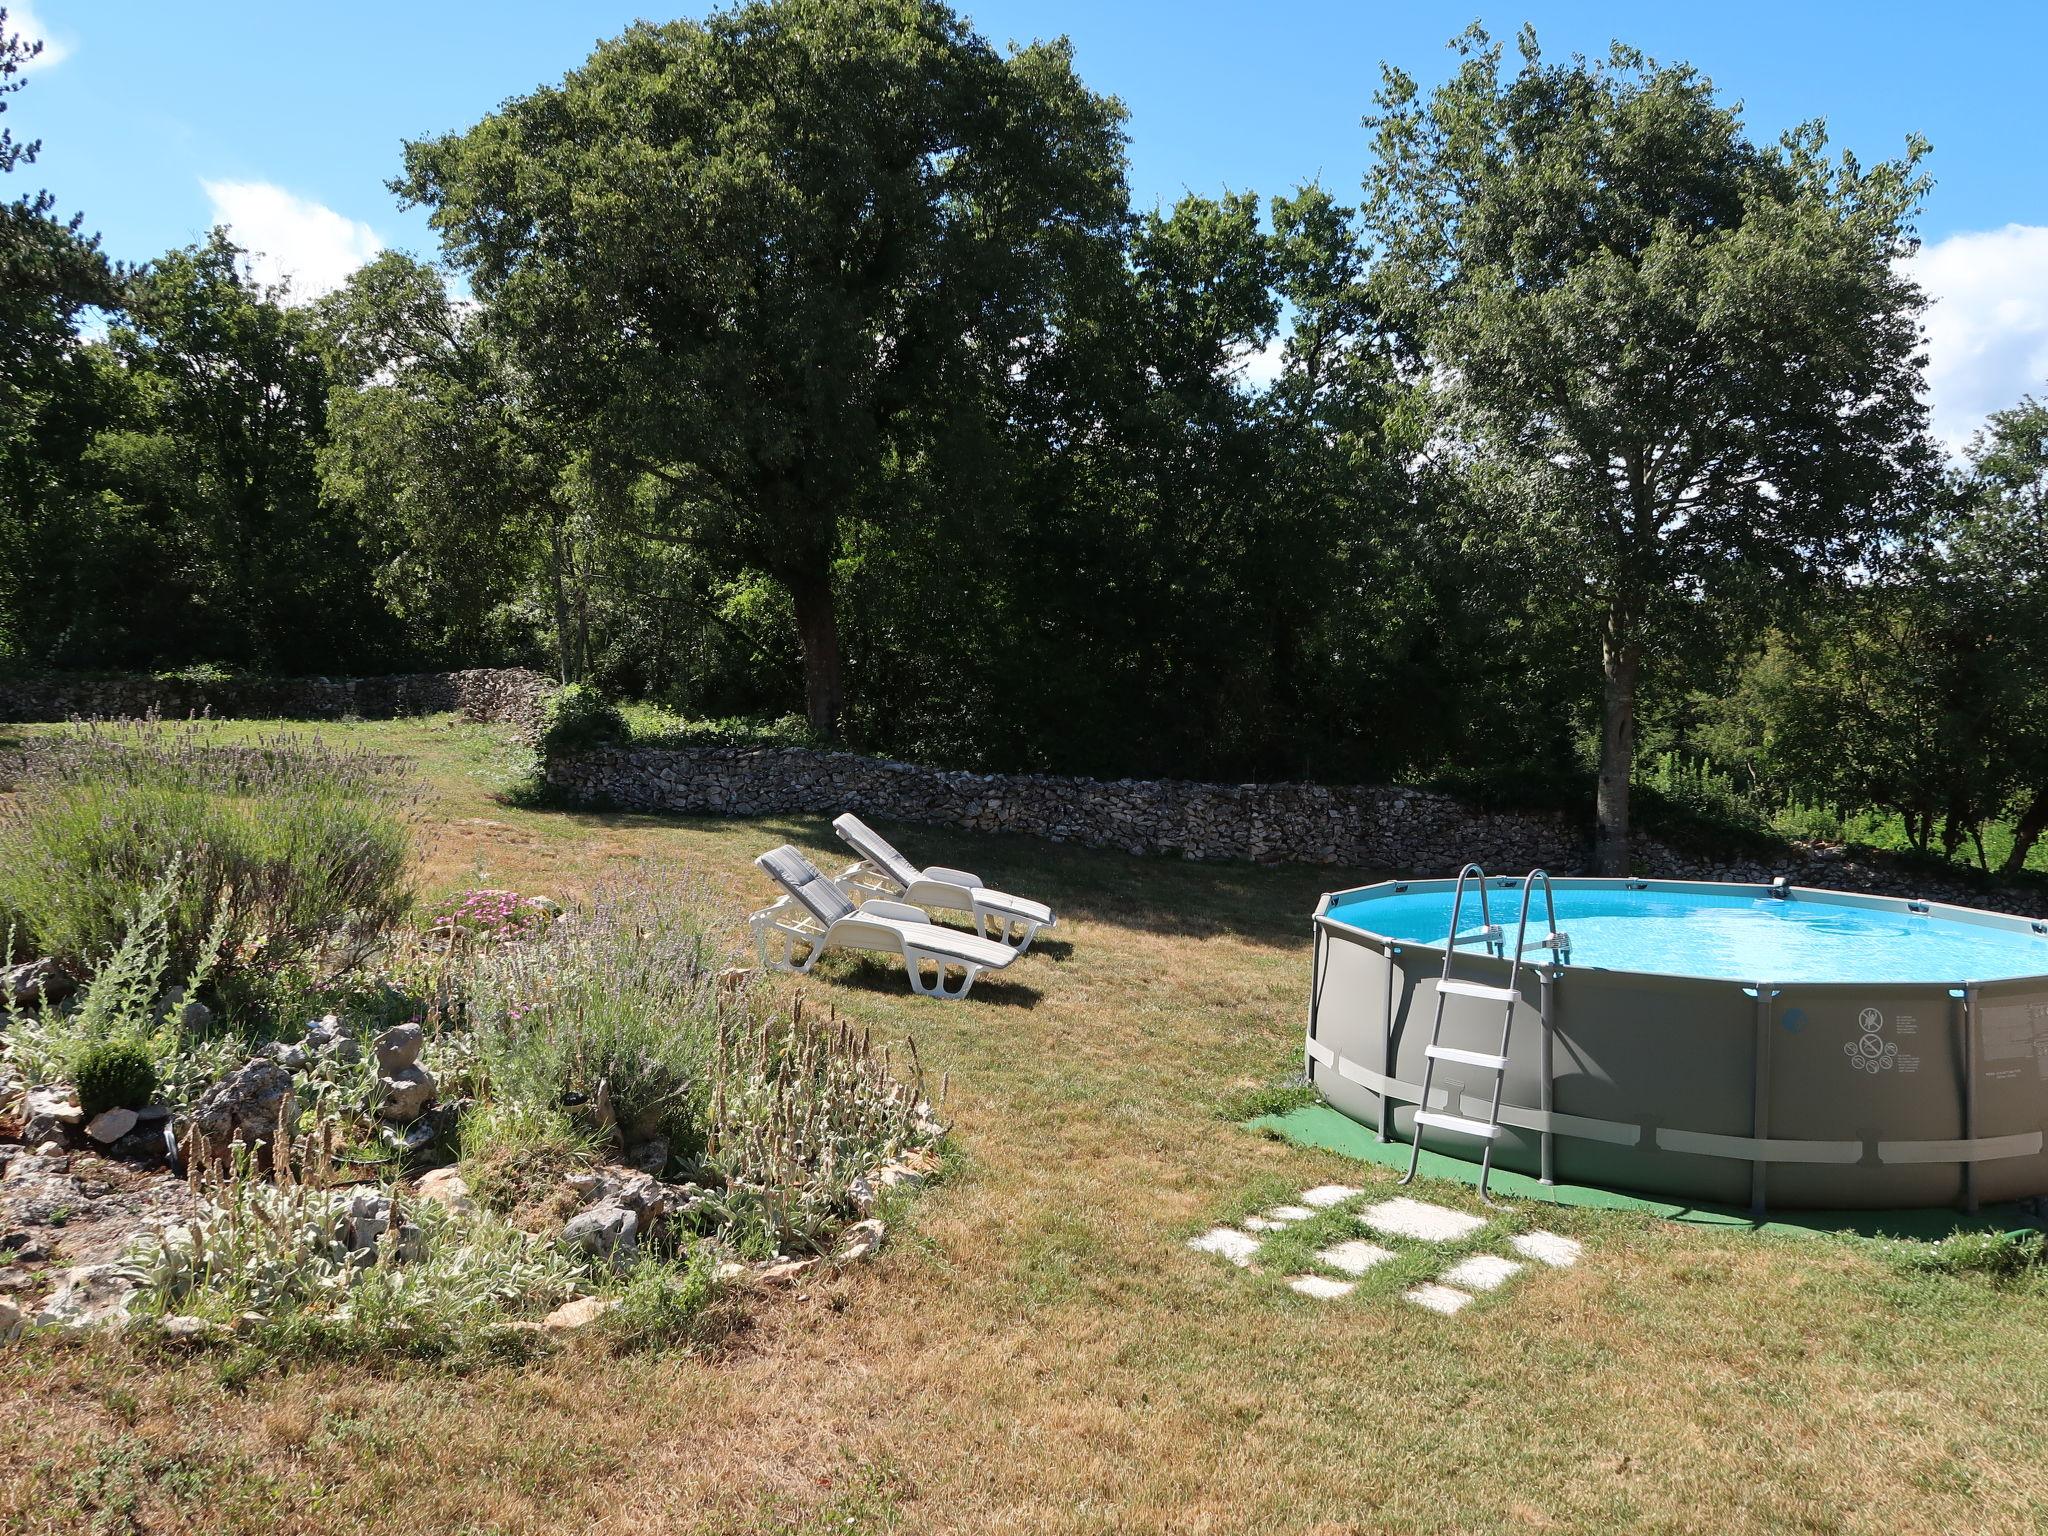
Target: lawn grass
column 1037, row 1350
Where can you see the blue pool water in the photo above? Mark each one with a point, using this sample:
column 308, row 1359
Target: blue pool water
column 1734, row 937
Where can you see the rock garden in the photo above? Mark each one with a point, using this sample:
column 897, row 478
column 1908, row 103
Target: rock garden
column 252, row 1088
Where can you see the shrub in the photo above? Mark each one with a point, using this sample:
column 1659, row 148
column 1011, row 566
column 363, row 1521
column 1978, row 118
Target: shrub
column 608, row 1018
column 285, row 846
column 578, row 717
column 656, row 728
column 801, row 1114
column 2005, row 1258
column 283, row 1251
column 113, row 1074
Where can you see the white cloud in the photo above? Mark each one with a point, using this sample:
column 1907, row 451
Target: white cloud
column 22, row 19
column 1987, row 333
column 291, row 238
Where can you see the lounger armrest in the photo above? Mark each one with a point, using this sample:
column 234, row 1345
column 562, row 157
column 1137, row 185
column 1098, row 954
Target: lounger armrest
column 861, row 880
column 787, row 916
column 903, row 912
column 941, row 893
column 945, row 876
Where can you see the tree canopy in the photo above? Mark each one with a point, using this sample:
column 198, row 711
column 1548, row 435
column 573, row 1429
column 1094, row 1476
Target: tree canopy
column 1698, row 356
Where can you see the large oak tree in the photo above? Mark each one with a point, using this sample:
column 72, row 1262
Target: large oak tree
column 751, row 262
column 1695, row 357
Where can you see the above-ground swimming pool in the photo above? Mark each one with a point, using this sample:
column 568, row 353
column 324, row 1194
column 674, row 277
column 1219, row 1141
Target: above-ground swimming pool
column 1719, row 1043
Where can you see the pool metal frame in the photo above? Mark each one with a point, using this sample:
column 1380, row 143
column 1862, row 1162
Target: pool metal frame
column 1753, row 1091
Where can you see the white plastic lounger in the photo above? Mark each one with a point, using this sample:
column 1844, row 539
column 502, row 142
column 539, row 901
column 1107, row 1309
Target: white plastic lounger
column 816, row 915
column 1005, row 918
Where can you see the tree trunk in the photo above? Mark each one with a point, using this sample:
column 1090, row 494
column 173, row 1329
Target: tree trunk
column 817, row 626
column 2026, row 832
column 1621, row 662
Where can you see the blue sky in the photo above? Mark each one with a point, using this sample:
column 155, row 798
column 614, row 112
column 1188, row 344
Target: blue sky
column 284, row 119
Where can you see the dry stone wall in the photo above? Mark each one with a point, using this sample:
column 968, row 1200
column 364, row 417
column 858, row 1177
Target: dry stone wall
column 1307, row 823
column 509, row 695
column 1368, row 826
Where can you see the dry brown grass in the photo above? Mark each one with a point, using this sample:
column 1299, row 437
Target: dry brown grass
column 1037, row 1351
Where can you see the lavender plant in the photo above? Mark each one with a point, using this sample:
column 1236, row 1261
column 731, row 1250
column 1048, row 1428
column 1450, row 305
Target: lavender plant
column 289, row 846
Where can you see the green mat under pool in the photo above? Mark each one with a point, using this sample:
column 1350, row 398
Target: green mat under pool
column 1320, row 1126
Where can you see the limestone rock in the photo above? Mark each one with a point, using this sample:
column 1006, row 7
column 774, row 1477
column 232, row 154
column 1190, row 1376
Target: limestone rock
column 110, row 1125
column 333, row 1036
column 578, row 1313
column 398, row 1048
column 447, row 1188
column 406, row 1093
column 785, row 1271
column 651, row 1156
column 36, row 981
column 622, row 1205
column 860, row 1240
column 91, row 1296
column 49, row 1114
column 189, row 1331
column 12, row 1320
column 244, row 1106
column 606, row 1230
column 369, row 1218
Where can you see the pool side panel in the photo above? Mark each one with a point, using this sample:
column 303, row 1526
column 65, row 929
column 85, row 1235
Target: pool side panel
column 2010, row 1086
column 1867, row 1064
column 1709, row 1089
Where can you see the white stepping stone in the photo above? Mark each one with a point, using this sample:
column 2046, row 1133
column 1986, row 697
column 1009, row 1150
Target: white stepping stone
column 1323, row 1196
column 1548, row 1248
column 1402, row 1217
column 1320, row 1287
column 1482, row 1272
column 1438, row 1298
column 1354, row 1257
column 1278, row 1218
column 1227, row 1243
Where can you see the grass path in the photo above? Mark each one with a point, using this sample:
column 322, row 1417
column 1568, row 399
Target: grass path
column 1037, row 1351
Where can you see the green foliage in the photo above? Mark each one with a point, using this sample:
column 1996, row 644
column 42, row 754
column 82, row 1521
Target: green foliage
column 1275, row 1098
column 284, row 848
column 577, row 717
column 283, row 1250
column 182, row 520
column 664, row 1302
column 607, row 1020
column 2015, row 1260
column 756, row 407
column 113, row 1074
column 1691, row 361
column 650, row 727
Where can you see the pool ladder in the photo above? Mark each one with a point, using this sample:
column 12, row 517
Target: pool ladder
column 1448, row 986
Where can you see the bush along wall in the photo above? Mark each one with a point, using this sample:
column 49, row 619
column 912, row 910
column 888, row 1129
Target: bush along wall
column 1412, row 831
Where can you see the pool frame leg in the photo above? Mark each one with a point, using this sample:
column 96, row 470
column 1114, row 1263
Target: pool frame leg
column 1971, row 1018
column 1547, row 981
column 1760, row 1097
column 1386, row 1125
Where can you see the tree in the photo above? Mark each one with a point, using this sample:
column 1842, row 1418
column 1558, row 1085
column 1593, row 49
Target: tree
column 2004, row 547
column 757, row 261
column 1697, row 356
column 207, row 537
column 435, row 441
column 49, row 273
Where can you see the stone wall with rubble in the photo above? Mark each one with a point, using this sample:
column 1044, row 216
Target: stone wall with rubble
column 1367, row 826
column 511, row 695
